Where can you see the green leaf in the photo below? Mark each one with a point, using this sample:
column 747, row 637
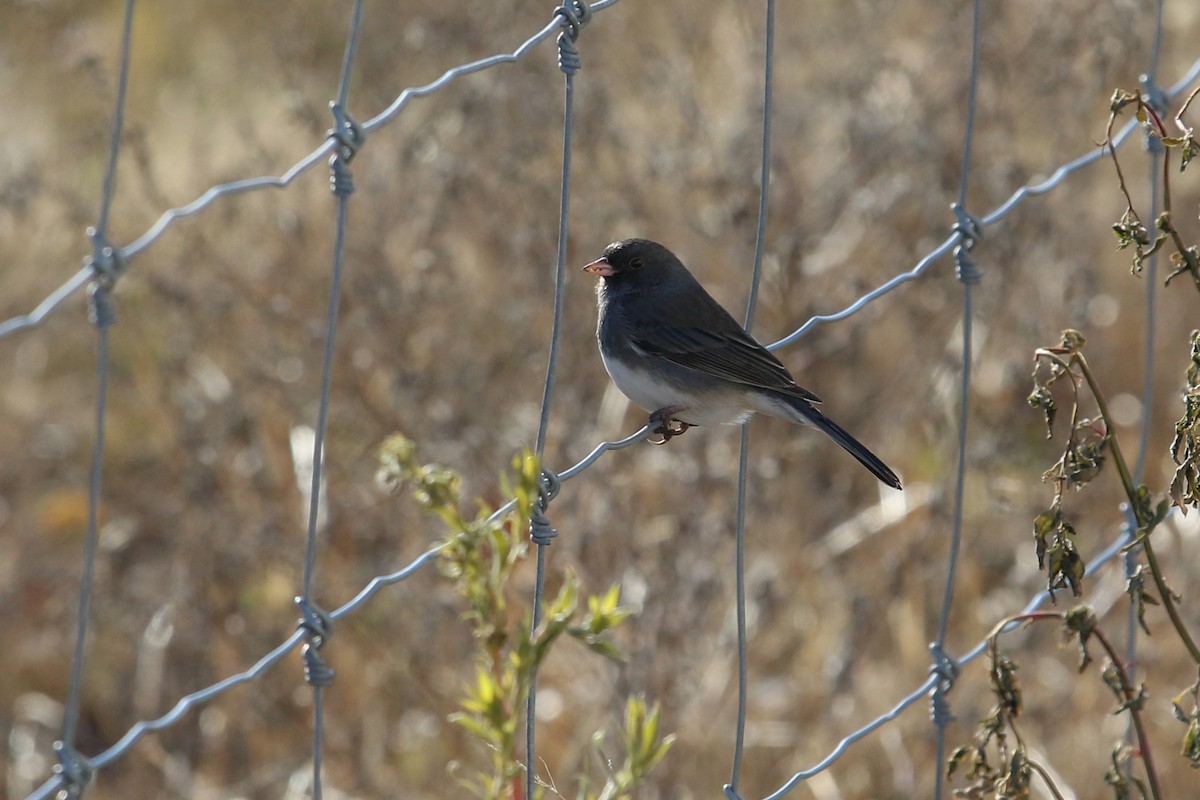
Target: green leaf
column 1191, row 743
column 598, row 645
column 563, row 606
column 474, row 726
column 643, row 746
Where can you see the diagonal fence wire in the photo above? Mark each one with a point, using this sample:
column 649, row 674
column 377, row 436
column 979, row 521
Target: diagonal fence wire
column 1022, row 194
column 921, row 692
column 168, row 218
column 187, row 703
column 965, row 234
column 963, row 239
column 190, row 701
column 107, row 262
column 315, row 624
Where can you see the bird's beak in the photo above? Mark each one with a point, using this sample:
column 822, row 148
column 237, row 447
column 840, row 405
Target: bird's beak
column 600, row 267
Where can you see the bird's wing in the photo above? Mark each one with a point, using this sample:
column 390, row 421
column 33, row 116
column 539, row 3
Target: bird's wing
column 731, row 354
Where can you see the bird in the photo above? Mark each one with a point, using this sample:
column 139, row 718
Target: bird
column 676, row 352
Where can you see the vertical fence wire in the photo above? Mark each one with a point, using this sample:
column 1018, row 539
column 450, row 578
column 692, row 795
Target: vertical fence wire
column 341, row 201
column 1157, row 98
column 760, row 241
column 1155, row 148
column 944, row 668
column 171, row 216
column 105, row 268
column 1095, row 563
column 118, row 122
column 315, row 622
column 967, row 281
column 106, row 263
column 572, row 17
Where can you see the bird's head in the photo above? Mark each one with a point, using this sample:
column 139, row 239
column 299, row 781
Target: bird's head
column 635, row 261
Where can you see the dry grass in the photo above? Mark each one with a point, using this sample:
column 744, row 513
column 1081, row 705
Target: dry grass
column 444, row 332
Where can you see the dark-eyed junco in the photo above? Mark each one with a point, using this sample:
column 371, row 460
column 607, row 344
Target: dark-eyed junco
column 673, row 350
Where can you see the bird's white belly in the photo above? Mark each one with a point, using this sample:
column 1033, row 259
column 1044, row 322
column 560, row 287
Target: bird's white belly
column 726, row 407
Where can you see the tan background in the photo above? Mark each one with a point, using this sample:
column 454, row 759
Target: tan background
column 444, row 330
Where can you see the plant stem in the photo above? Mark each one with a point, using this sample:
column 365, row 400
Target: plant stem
column 1102, row 405
column 1139, row 512
column 1134, row 713
column 1168, row 601
column 1040, row 770
column 1127, row 690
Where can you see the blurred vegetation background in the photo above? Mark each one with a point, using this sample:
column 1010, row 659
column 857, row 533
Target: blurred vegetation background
column 443, row 336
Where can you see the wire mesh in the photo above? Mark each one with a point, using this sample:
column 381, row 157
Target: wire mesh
column 107, row 263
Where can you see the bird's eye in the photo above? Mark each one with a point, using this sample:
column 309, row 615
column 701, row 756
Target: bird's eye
column 635, row 263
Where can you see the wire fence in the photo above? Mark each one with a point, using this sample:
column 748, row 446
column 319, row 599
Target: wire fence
column 102, row 272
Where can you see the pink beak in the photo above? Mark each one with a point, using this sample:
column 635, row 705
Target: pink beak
column 599, row 267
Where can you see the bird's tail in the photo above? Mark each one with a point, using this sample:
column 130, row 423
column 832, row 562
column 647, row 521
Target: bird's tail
column 803, row 411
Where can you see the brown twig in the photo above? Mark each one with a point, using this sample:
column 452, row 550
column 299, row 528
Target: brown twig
column 1129, row 692
column 1140, row 511
column 1185, row 257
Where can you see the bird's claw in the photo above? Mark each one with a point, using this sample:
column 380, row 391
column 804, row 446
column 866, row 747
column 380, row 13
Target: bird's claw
column 666, row 426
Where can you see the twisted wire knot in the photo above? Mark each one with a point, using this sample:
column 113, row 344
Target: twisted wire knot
column 946, row 669
column 540, row 529
column 100, row 306
column 341, row 179
column 575, row 14
column 106, row 261
column 107, row 264
column 349, row 136
column 969, row 232
column 74, row 770
column 346, row 131
column 317, row 625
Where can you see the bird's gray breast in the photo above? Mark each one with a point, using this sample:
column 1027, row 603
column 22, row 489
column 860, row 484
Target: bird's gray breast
column 654, row 382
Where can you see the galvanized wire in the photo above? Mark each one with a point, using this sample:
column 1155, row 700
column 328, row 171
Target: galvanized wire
column 169, row 217
column 315, row 622
column 1153, row 94
column 922, row 691
column 571, row 16
column 104, row 269
column 945, row 669
column 760, row 246
column 1022, row 194
column 107, row 262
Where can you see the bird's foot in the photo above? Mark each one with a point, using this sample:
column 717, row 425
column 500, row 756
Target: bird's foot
column 663, row 423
